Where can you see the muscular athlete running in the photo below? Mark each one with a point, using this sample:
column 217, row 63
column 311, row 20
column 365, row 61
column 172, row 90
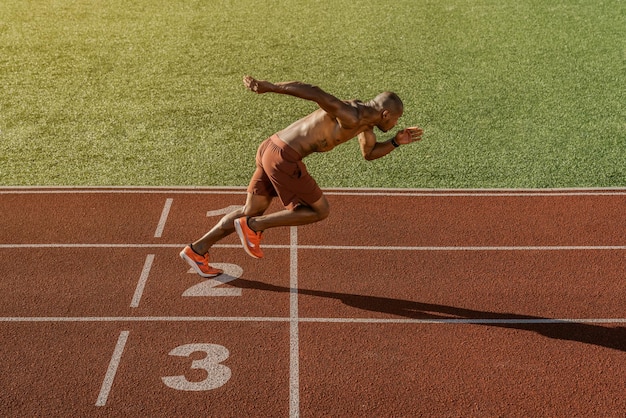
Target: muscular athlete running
column 281, row 173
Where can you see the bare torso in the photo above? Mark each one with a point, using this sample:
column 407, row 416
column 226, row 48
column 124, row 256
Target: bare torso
column 321, row 132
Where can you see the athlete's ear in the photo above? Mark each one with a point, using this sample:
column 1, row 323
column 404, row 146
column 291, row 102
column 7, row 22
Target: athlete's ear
column 385, row 114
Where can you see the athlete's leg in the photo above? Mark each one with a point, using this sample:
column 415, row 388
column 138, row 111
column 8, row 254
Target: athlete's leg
column 301, row 215
column 255, row 205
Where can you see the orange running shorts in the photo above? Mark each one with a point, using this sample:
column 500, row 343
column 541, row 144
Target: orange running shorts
column 281, row 172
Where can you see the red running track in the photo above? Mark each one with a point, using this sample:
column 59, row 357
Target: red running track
column 401, row 303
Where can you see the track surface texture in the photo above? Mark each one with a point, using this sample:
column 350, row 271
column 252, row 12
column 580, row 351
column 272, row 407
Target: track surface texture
column 401, row 303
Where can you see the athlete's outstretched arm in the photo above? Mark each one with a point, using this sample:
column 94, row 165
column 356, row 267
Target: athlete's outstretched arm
column 345, row 113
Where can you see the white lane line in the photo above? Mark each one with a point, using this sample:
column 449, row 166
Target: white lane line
column 234, row 190
column 107, row 383
column 163, row 220
column 36, row 319
column 125, row 246
column 468, row 321
column 294, row 350
column 340, row 247
column 463, row 248
column 141, row 284
column 217, row 191
column 479, row 193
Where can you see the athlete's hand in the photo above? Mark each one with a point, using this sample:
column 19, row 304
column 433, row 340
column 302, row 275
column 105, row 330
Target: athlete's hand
column 257, row 86
column 409, row 135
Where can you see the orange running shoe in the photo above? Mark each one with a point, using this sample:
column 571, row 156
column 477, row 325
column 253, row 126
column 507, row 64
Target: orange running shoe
column 250, row 240
column 199, row 263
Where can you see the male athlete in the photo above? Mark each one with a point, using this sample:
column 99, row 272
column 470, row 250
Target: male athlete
column 280, row 171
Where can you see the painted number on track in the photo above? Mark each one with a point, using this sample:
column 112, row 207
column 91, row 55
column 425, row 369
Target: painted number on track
column 217, row 373
column 223, row 211
column 210, row 287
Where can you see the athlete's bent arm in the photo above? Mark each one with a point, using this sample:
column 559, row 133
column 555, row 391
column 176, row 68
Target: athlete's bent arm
column 345, row 114
column 371, row 149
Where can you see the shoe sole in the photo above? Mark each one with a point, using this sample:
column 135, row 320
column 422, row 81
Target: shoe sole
column 194, row 266
column 242, row 238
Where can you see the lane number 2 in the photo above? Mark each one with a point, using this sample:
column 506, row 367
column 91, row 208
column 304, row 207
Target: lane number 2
column 210, row 287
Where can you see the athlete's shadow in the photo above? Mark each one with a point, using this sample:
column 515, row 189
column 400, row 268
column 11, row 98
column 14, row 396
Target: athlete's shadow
column 609, row 337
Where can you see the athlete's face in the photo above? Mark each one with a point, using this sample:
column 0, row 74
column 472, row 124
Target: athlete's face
column 388, row 120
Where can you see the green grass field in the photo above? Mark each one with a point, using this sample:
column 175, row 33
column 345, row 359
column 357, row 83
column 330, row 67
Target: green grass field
column 511, row 93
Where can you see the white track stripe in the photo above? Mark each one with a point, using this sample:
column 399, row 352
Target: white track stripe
column 164, row 214
column 468, row 321
column 141, row 284
column 35, row 319
column 462, row 248
column 107, row 383
column 342, row 247
column 294, row 343
column 592, row 191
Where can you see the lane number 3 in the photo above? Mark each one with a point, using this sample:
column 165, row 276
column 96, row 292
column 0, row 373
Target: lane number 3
column 217, row 373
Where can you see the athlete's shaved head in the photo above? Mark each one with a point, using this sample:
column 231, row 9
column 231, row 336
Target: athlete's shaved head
column 389, row 101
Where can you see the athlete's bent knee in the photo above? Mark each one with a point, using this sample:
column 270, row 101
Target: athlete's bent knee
column 250, row 211
column 322, row 209
column 256, row 205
